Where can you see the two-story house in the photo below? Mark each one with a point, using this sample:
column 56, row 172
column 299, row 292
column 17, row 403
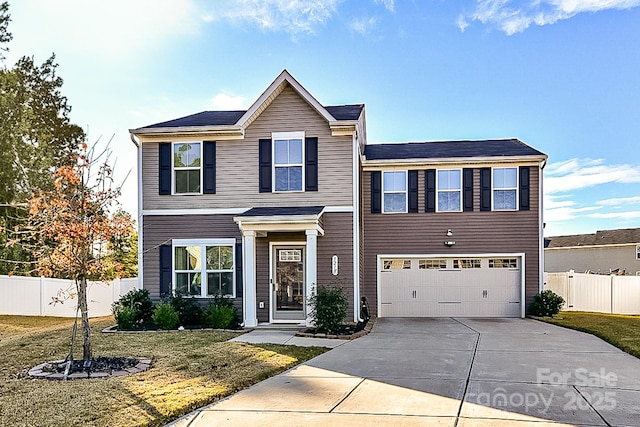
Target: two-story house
column 267, row 204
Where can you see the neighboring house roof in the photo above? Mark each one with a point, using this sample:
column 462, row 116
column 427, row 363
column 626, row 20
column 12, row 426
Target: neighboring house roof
column 600, row 238
column 283, row 211
column 229, row 118
column 450, row 149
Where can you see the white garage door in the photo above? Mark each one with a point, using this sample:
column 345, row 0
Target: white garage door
column 451, row 287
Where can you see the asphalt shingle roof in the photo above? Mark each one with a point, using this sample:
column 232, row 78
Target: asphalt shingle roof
column 222, row 118
column 283, row 211
column 448, row 149
column 601, row 237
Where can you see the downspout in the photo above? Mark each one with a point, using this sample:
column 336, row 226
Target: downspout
column 541, row 225
column 140, row 217
column 356, row 226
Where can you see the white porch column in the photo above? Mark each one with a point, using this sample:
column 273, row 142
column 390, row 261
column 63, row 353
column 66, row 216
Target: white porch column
column 311, row 278
column 249, row 311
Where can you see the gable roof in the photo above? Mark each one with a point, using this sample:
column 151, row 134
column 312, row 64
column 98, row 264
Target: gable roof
column 450, row 149
column 240, row 119
column 599, row 238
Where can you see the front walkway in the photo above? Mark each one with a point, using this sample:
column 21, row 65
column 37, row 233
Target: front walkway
column 446, row 372
column 272, row 336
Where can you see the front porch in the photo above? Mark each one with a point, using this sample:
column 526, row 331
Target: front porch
column 279, row 259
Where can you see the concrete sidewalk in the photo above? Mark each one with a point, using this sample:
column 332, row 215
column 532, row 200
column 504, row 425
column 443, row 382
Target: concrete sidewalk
column 271, row 336
column 446, row 372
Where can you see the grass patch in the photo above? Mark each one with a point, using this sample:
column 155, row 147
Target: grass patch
column 190, row 369
column 617, row 329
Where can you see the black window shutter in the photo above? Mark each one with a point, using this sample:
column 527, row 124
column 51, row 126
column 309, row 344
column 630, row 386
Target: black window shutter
column 376, row 192
column 524, row 188
column 485, row 189
column 164, row 158
column 467, row 189
column 264, row 159
column 238, row 270
column 413, row 191
column 311, row 164
column 430, row 190
column 209, row 171
column 165, row 270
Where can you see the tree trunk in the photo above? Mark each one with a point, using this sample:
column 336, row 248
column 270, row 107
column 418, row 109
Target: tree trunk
column 86, row 332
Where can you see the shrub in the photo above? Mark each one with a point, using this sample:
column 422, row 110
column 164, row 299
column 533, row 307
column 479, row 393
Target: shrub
column 125, row 318
column 139, row 302
column 165, row 316
column 328, row 308
column 189, row 311
column 546, row 303
column 222, row 314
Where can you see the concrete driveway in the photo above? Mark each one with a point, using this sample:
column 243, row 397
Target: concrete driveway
column 447, row 372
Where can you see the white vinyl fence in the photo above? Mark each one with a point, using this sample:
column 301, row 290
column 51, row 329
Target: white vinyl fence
column 36, row 296
column 594, row 292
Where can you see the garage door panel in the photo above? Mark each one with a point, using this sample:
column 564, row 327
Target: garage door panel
column 472, row 292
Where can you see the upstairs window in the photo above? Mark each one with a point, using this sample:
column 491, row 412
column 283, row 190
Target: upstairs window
column 187, row 176
column 638, row 252
column 394, row 190
column 449, row 192
column 288, row 161
column 505, row 189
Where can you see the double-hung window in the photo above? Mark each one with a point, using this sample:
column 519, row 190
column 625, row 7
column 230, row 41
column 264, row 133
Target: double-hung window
column 288, row 161
column 505, row 189
column 187, row 167
column 449, row 185
column 638, row 252
column 394, row 190
column 204, row 268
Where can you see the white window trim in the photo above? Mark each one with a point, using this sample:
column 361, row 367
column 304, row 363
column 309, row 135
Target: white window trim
column 203, row 243
column 406, row 192
column 516, row 188
column 638, row 252
column 287, row 135
column 173, row 168
column 459, row 191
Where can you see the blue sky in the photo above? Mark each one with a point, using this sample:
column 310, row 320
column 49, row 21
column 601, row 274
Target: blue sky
column 561, row 75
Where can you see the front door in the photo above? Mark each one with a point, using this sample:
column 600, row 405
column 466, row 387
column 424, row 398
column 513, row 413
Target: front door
column 288, row 287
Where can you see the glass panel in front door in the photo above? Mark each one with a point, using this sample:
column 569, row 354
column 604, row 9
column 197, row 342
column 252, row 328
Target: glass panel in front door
column 289, row 280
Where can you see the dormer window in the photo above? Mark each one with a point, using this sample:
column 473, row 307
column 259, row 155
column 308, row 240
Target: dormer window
column 288, row 161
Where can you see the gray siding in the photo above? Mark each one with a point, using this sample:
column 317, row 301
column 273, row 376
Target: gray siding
column 160, row 230
column 237, row 164
column 594, row 259
column 473, row 232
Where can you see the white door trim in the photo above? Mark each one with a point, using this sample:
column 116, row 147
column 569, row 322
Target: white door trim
column 272, row 246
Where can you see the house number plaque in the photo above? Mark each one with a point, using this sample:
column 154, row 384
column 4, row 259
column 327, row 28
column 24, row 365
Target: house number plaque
column 334, row 265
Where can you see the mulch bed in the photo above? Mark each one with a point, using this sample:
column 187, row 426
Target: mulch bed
column 347, row 332
column 100, row 367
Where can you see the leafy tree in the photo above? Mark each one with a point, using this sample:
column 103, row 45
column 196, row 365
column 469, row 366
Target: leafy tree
column 69, row 227
column 36, row 137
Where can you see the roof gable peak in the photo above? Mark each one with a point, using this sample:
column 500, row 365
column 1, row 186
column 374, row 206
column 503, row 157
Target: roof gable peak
column 274, row 89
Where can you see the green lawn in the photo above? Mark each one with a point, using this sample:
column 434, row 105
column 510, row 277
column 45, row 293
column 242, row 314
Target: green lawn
column 190, row 369
column 619, row 330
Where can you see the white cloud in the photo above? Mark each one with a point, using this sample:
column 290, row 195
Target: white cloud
column 516, row 16
column 363, row 26
column 224, row 101
column 633, row 200
column 289, row 16
column 112, row 31
column 576, row 173
column 389, row 4
column 615, row 215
